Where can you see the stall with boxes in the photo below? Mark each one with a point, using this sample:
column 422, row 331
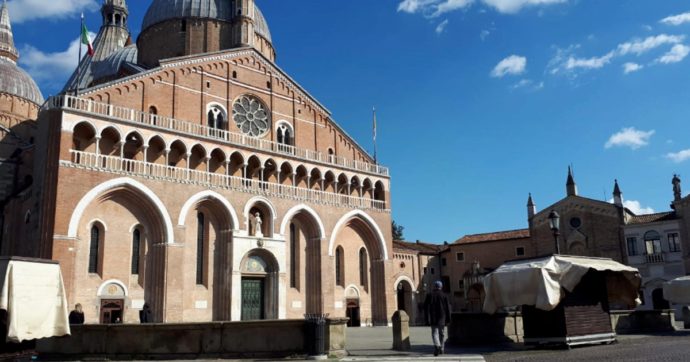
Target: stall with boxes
column 564, row 299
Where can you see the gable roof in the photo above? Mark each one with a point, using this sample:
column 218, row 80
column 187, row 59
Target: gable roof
column 495, row 236
column 228, row 54
column 649, row 218
column 421, row 247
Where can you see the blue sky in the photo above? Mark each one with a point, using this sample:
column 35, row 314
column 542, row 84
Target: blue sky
column 479, row 101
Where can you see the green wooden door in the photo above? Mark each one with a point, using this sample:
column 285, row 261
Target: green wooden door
column 252, row 299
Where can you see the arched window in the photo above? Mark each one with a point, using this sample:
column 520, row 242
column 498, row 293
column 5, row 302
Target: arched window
column 136, row 249
column 216, row 117
column 284, row 136
column 200, row 239
column 363, row 267
column 339, row 267
column 94, row 249
column 293, row 256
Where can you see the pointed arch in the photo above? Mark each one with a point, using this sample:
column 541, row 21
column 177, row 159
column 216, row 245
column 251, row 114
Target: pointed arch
column 359, row 214
column 125, row 182
column 204, row 195
column 297, row 209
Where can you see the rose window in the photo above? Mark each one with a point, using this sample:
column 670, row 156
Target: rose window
column 251, row 116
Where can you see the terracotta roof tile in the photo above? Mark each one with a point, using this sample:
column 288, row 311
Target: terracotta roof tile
column 496, row 236
column 418, row 246
column 643, row 219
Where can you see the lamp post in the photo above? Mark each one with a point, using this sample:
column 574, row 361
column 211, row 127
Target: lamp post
column 555, row 222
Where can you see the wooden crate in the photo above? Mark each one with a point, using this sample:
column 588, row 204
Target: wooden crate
column 582, row 317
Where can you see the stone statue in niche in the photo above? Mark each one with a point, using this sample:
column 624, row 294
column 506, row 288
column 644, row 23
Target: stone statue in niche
column 258, row 225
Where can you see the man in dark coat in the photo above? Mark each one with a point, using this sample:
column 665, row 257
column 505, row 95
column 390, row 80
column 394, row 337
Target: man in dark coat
column 77, row 315
column 437, row 309
column 145, row 315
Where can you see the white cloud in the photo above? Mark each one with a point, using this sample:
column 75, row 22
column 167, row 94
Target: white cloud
column 679, row 156
column 26, row 10
column 514, row 6
column 413, row 6
column 637, row 208
column 630, row 137
column 528, row 84
column 512, row 65
column 451, row 5
column 588, row 63
column 484, row 34
column 641, row 46
column 442, row 27
column 52, row 68
column 631, row 67
column 434, row 8
column 676, row 19
column 675, row 55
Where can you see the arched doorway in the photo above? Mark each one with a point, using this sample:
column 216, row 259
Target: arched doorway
column 354, row 231
column 405, row 298
column 353, row 307
column 658, row 300
column 111, row 297
column 259, row 286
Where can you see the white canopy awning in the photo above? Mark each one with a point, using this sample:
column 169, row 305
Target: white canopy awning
column 540, row 282
column 33, row 294
column 678, row 290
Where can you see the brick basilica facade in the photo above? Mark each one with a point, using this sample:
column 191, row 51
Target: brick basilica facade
column 188, row 172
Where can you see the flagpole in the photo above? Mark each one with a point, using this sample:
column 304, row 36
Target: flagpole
column 375, row 155
column 81, row 27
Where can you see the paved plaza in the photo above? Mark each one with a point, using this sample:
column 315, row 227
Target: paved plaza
column 375, row 343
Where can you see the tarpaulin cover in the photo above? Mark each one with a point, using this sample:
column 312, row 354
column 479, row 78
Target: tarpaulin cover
column 33, row 294
column 678, row 290
column 540, row 282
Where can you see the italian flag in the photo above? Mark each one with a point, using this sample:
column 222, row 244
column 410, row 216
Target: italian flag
column 85, row 38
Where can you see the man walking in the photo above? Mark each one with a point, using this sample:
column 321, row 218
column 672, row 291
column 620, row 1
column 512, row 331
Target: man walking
column 438, row 315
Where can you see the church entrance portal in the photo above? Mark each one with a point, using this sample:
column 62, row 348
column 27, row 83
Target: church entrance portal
column 353, row 313
column 253, row 299
column 111, row 311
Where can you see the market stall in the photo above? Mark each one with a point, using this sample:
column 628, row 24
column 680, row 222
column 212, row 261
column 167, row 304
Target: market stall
column 564, row 299
column 33, row 302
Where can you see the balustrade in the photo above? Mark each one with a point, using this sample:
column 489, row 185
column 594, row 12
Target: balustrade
column 654, row 258
column 133, row 116
column 183, row 175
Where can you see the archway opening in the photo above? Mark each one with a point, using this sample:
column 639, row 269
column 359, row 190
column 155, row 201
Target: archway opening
column 259, row 286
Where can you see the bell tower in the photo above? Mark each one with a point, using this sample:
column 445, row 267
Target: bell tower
column 7, row 49
column 243, row 23
column 115, row 13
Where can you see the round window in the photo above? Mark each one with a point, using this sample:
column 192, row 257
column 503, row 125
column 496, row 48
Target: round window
column 251, row 116
column 575, row 222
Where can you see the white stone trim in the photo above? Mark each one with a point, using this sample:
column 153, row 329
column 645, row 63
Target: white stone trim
column 302, row 207
column 108, row 185
column 208, row 194
column 110, row 125
column 356, row 289
column 112, row 281
column 93, row 221
column 369, row 220
column 405, row 278
column 256, row 199
column 72, row 125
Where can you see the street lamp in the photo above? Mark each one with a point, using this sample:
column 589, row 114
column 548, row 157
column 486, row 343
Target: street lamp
column 555, row 222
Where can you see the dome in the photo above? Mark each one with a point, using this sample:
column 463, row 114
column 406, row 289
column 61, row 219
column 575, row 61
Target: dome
column 16, row 81
column 162, row 10
column 110, row 66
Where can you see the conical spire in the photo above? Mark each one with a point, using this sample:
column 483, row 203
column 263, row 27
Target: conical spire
column 571, row 187
column 531, row 207
column 617, row 195
column 7, row 48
